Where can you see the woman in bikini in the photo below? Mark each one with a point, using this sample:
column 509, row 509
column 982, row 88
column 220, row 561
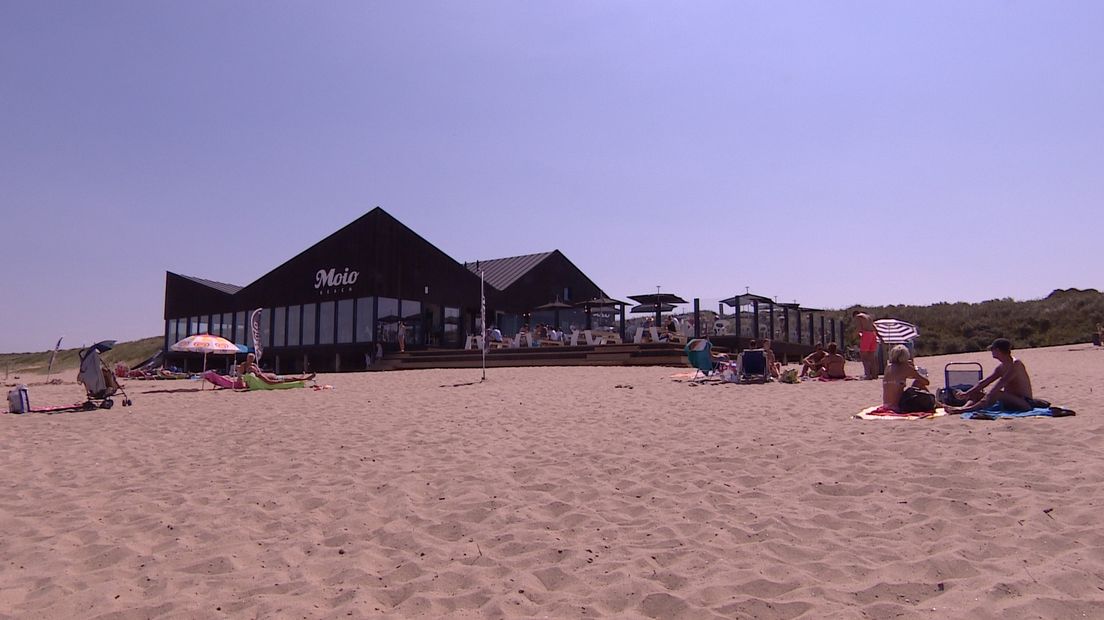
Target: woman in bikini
column 897, row 373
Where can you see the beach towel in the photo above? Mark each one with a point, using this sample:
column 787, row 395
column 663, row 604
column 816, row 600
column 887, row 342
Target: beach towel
column 995, row 411
column 255, row 383
column 223, row 381
column 823, row 377
column 883, row 413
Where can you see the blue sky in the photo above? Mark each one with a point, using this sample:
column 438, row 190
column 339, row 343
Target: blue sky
column 831, row 153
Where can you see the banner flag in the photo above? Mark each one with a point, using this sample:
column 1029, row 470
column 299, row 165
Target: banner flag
column 255, row 326
column 50, row 366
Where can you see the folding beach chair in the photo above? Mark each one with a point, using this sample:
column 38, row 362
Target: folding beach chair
column 752, row 367
column 958, row 376
column 699, row 352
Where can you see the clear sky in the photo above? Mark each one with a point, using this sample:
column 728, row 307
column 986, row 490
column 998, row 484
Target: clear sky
column 831, row 153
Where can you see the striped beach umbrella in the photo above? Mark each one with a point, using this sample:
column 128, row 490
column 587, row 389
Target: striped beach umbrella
column 894, row 331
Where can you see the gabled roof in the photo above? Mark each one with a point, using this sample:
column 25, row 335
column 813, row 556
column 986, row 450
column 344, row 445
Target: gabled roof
column 221, row 287
column 502, row 272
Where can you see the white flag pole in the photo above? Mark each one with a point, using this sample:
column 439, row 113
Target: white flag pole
column 483, row 323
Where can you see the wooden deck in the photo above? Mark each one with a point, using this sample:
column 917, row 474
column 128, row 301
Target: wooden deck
column 661, row 354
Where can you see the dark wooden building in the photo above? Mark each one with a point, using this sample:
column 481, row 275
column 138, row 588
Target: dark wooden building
column 336, row 304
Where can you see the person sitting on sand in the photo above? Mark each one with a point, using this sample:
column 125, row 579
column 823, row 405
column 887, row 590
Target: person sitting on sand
column 250, row 366
column 832, row 364
column 772, row 362
column 810, row 365
column 897, row 373
column 1012, row 389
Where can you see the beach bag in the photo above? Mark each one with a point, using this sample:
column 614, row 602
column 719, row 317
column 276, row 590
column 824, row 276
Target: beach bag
column 947, row 397
column 18, row 400
column 916, row 400
column 790, row 376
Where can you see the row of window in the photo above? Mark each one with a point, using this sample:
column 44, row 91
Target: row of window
column 343, row 321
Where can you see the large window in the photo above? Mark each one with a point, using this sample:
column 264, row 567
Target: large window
column 452, row 326
column 326, row 322
column 293, row 326
column 279, row 328
column 193, row 325
column 412, row 316
column 345, row 321
column 203, row 325
column 241, row 334
column 266, row 327
column 365, row 320
column 309, row 314
column 388, row 319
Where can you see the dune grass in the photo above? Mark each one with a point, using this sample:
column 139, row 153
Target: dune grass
column 67, row 360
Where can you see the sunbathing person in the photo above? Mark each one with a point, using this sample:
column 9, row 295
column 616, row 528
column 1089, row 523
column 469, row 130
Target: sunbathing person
column 250, row 366
column 897, row 373
column 832, row 364
column 1012, row 389
column 811, row 362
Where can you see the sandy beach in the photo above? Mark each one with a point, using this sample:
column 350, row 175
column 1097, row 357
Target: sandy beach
column 573, row 492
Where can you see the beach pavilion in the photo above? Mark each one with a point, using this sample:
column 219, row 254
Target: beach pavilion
column 336, row 304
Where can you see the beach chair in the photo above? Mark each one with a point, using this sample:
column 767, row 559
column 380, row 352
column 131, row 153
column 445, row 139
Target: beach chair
column 253, row 382
column 958, row 376
column 699, row 352
column 752, row 367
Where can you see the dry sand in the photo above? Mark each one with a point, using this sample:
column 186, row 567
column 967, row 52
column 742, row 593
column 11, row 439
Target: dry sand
column 553, row 492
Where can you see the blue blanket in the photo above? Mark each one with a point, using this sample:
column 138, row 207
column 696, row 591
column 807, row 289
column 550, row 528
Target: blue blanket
column 995, row 411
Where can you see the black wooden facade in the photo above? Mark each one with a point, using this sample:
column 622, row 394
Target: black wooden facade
column 340, row 302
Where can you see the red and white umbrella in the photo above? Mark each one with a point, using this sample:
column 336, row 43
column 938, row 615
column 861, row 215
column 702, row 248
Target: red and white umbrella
column 206, row 343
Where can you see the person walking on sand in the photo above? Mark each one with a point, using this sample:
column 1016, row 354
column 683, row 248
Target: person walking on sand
column 1012, row 389
column 868, row 344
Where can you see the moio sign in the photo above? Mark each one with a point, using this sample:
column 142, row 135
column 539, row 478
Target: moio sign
column 329, row 278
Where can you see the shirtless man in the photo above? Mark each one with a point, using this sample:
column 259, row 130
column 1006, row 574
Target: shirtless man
column 1012, row 389
column 833, row 363
column 868, row 344
column 250, row 366
column 811, row 362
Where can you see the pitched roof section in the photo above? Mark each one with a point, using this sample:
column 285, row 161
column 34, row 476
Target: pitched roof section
column 502, row 272
column 221, row 287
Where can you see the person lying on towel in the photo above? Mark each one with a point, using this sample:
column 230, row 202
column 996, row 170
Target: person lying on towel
column 1012, row 389
column 897, row 373
column 250, row 366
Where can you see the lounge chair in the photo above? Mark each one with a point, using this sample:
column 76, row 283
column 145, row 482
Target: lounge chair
column 752, row 367
column 253, row 382
column 222, row 381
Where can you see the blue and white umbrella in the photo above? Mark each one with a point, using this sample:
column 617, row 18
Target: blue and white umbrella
column 893, row 331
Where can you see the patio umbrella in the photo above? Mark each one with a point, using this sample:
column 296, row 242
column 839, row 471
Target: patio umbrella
column 893, row 331
column 657, row 300
column 206, row 343
column 649, row 308
column 555, row 307
column 598, row 302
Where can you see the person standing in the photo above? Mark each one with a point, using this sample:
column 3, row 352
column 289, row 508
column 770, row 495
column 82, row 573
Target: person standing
column 868, row 344
column 402, row 336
